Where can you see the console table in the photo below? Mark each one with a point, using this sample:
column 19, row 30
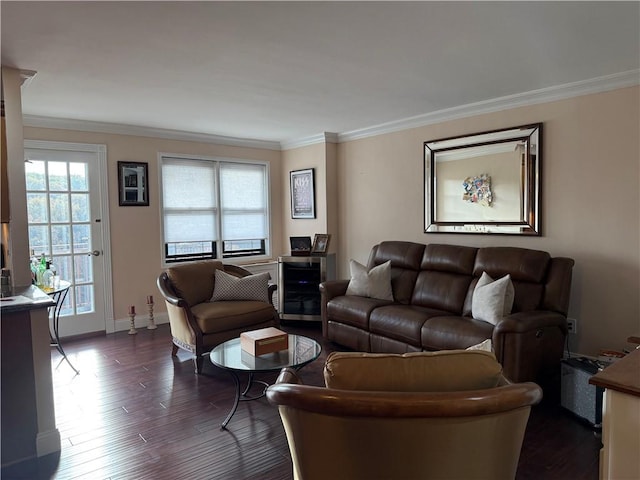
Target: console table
column 620, row 418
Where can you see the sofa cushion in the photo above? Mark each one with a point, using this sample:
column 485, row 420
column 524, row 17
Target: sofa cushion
column 452, row 332
column 449, row 258
column 213, row 317
column 194, row 281
column 444, row 371
column 523, row 264
column 373, row 283
column 251, row 287
column 405, row 263
column 401, row 322
column 406, row 255
column 492, row 299
column 441, row 290
column 353, row 310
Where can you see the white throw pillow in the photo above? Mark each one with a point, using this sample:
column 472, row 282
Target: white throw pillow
column 491, row 299
column 374, row 283
column 251, row 287
column 484, row 346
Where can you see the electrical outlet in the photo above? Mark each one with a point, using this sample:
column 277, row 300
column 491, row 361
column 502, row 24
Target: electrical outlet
column 572, row 325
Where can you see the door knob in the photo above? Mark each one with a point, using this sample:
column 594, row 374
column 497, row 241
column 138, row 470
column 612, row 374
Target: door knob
column 95, row 253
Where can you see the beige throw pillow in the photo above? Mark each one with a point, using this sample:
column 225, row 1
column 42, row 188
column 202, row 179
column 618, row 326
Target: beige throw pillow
column 251, row 287
column 491, row 299
column 485, row 346
column 374, row 283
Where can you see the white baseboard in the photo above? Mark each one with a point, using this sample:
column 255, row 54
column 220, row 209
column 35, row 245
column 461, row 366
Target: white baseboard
column 141, row 321
column 48, row 442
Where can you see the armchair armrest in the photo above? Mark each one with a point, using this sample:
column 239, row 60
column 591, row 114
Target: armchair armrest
column 168, row 293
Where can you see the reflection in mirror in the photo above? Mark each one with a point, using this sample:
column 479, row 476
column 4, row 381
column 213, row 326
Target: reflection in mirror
column 484, row 183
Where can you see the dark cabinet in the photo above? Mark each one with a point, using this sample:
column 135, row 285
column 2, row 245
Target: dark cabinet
column 298, row 285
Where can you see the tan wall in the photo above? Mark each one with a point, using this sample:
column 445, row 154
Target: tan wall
column 135, row 231
column 371, row 190
column 590, row 201
column 313, row 156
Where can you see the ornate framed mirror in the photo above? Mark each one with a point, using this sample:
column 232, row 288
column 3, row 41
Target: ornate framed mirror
column 485, row 183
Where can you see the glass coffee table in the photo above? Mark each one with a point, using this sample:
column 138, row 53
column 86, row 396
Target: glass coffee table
column 230, row 357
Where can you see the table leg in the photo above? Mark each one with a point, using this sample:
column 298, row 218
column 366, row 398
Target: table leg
column 242, row 397
column 55, row 320
column 236, row 381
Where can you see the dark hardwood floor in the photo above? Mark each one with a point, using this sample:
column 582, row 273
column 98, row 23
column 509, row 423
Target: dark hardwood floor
column 134, row 412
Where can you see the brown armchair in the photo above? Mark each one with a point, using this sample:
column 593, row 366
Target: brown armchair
column 198, row 324
column 448, row 414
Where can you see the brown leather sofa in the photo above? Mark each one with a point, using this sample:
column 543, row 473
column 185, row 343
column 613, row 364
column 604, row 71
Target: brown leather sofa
column 431, row 309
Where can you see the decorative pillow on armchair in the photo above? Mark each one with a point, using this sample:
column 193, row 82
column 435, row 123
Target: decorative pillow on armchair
column 374, row 283
column 492, row 299
column 251, row 287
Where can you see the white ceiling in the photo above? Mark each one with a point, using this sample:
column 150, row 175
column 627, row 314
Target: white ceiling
column 282, row 71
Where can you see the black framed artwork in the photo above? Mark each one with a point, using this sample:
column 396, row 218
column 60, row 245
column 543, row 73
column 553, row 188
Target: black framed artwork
column 133, row 184
column 302, row 193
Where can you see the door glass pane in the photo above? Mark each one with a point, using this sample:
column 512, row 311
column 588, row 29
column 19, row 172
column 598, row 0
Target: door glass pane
column 84, row 298
column 61, row 239
column 80, row 207
column 37, row 207
column 59, row 204
column 34, row 172
column 78, row 177
column 67, row 306
column 58, row 181
column 63, row 266
column 82, row 268
column 39, row 239
column 81, row 238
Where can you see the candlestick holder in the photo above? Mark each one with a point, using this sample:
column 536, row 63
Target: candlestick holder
column 132, row 329
column 151, row 325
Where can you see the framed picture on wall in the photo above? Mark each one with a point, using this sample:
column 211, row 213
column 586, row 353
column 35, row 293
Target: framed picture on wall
column 302, row 194
column 133, row 185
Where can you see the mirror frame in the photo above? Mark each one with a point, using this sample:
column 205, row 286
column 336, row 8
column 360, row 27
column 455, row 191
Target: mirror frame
column 477, row 145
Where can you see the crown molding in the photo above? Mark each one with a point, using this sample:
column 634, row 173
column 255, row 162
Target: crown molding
column 119, row 129
column 26, row 76
column 325, row 137
column 543, row 95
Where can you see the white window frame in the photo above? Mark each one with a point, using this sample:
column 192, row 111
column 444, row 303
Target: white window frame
column 218, row 161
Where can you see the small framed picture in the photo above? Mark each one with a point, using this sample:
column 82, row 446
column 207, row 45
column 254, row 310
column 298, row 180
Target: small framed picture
column 320, row 244
column 300, row 245
column 133, row 189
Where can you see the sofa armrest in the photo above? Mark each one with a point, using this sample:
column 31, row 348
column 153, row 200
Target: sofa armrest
column 522, row 322
column 328, row 290
column 333, row 288
column 529, row 346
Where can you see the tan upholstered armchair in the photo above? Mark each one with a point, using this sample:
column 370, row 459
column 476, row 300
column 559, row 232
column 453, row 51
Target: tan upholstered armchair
column 447, row 414
column 197, row 323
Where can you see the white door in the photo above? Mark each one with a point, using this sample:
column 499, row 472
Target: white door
column 67, row 208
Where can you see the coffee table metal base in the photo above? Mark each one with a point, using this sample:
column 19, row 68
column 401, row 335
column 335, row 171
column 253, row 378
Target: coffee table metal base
column 231, row 357
column 242, row 397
